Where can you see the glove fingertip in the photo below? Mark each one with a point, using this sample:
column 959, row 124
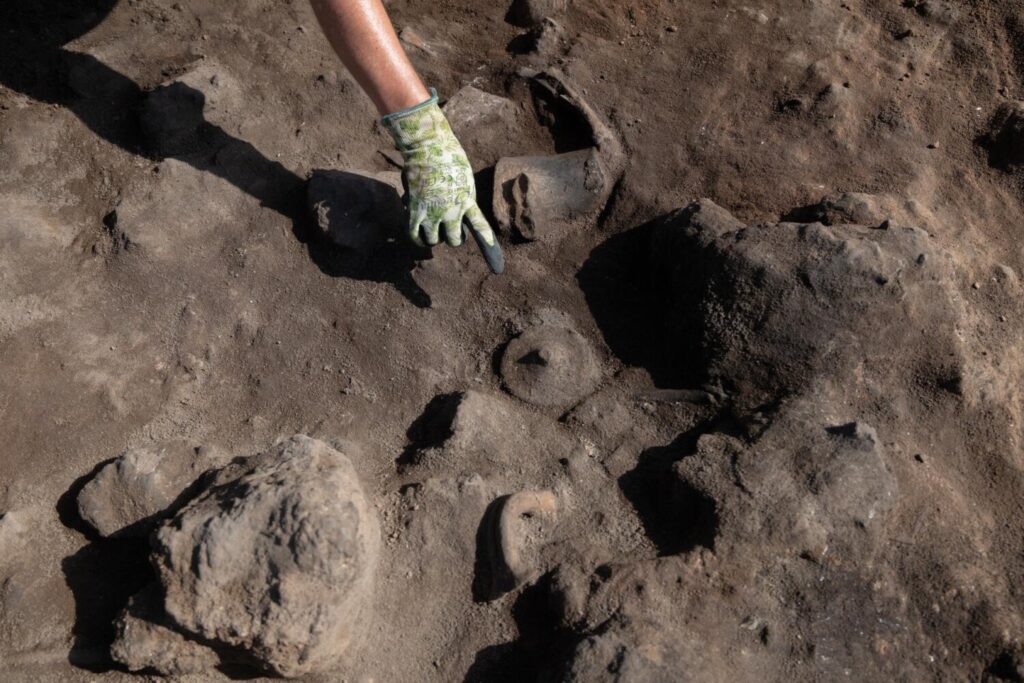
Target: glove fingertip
column 414, row 237
column 492, row 252
column 453, row 233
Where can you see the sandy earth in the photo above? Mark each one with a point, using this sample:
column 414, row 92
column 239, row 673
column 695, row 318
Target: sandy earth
column 161, row 280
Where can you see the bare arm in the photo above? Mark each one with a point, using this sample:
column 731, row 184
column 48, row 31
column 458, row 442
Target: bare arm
column 440, row 190
column 362, row 35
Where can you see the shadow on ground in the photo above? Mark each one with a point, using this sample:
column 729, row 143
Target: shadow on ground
column 632, row 311
column 676, row 519
column 537, row 654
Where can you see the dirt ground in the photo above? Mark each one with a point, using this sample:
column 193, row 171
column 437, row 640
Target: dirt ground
column 161, row 280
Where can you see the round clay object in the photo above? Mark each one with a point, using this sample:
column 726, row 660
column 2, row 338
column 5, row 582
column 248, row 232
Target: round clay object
column 550, row 365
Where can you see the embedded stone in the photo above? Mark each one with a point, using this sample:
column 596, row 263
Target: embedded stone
column 129, row 494
column 522, row 522
column 355, row 209
column 275, row 559
column 550, row 365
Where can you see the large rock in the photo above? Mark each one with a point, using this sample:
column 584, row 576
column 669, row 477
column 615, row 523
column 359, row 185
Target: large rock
column 803, row 487
column 768, row 307
column 538, row 195
column 541, row 197
column 356, row 210
column 275, row 559
column 791, row 525
column 134, row 490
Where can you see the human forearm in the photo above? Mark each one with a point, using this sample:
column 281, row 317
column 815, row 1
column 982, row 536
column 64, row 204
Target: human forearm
column 362, row 35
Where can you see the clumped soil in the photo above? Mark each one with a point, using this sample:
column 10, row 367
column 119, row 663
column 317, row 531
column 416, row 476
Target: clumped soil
column 801, row 456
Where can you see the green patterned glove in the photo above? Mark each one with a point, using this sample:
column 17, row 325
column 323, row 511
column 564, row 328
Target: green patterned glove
column 439, row 181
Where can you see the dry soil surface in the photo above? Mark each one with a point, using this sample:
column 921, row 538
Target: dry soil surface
column 765, row 437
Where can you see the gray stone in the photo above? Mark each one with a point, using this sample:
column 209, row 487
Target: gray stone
column 611, row 658
column 548, row 37
column 1006, row 276
column 605, row 417
column 550, row 365
column 939, row 11
column 15, row 532
column 853, row 482
column 412, row 38
column 275, row 559
column 489, row 126
column 355, row 209
column 470, row 423
column 488, row 431
column 470, row 108
column 540, row 197
column 853, row 207
column 13, row 526
column 830, row 495
column 143, row 642
column 128, row 495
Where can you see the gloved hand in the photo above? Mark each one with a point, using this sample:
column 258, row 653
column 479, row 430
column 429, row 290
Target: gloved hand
column 440, row 192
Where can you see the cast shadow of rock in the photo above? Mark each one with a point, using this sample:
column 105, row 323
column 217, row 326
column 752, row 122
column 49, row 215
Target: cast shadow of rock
column 539, row 651
column 431, row 429
column 675, row 519
column 486, row 585
column 102, row 576
column 165, row 123
column 632, row 312
column 34, row 62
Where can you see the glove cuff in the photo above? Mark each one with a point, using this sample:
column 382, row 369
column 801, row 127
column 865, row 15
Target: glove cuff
column 417, row 124
column 387, row 119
